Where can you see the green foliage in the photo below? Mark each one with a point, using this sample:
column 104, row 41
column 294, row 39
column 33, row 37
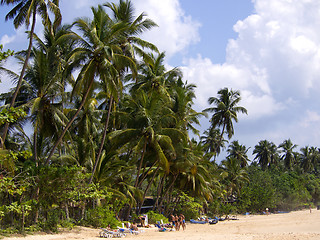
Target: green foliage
column 154, row 217
column 259, row 193
column 6, row 54
column 291, row 191
column 101, row 217
column 52, row 220
column 187, row 205
column 11, row 115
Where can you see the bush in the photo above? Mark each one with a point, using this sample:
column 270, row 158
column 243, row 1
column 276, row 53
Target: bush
column 101, row 217
column 155, row 217
column 187, row 206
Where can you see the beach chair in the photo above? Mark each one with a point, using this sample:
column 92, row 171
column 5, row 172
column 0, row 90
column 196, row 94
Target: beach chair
column 128, row 230
column 160, row 228
column 106, row 233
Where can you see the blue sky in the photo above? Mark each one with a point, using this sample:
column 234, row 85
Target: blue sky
column 267, row 49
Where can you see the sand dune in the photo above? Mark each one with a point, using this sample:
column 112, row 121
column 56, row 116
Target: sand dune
column 294, row 225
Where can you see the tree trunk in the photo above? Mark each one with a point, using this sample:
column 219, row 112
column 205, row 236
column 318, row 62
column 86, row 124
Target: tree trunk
column 140, row 165
column 147, row 188
column 144, row 175
column 167, row 191
column 67, row 210
column 158, row 194
column 103, row 140
column 84, row 98
column 13, row 100
column 35, row 146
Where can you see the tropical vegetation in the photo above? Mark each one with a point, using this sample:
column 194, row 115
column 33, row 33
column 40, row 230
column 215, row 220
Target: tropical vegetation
column 97, row 129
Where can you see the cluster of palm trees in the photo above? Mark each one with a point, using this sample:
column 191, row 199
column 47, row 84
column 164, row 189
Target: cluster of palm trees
column 99, row 96
column 268, row 154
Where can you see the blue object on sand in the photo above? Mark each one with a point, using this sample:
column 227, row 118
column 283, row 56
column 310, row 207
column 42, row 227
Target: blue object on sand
column 198, row 222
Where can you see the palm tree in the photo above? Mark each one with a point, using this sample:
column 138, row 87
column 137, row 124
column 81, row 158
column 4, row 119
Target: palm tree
column 154, row 77
column 266, row 152
column 238, row 152
column 123, row 14
column 309, row 158
column 46, row 115
column 86, row 130
column 211, row 141
column 225, row 110
column 288, row 154
column 22, row 12
column 148, row 136
column 235, row 176
column 182, row 95
column 98, row 50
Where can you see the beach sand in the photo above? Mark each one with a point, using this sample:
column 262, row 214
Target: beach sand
column 294, row 225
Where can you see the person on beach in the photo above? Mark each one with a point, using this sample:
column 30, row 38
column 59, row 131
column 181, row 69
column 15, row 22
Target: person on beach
column 177, row 223
column 310, row 208
column 142, row 219
column 134, row 227
column 183, row 221
column 173, row 220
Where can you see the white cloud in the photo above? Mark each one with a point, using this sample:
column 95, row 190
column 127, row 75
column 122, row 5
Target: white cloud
column 274, row 62
column 6, row 39
column 176, row 30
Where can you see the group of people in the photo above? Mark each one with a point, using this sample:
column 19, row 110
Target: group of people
column 178, row 221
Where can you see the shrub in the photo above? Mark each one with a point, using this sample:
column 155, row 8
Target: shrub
column 155, row 217
column 101, row 217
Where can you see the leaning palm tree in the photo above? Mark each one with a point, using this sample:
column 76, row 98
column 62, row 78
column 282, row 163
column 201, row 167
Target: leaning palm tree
column 22, row 12
column 288, row 156
column 266, row 153
column 225, row 111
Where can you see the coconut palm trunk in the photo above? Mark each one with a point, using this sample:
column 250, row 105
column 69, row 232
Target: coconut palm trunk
column 147, row 189
column 102, row 141
column 15, row 94
column 84, row 98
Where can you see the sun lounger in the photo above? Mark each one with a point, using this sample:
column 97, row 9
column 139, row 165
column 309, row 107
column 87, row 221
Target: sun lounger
column 160, row 228
column 128, row 230
column 110, row 233
column 198, row 222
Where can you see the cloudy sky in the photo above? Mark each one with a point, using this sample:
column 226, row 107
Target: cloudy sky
column 267, row 49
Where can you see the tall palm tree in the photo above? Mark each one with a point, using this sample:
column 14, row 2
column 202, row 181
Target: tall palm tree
column 266, row 153
column 97, row 51
column 131, row 44
column 46, row 114
column 182, row 95
column 287, row 148
column 22, row 12
column 225, row 110
column 123, row 13
column 239, row 152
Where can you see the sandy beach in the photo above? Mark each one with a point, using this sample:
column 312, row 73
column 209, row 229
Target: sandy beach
column 294, row 225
